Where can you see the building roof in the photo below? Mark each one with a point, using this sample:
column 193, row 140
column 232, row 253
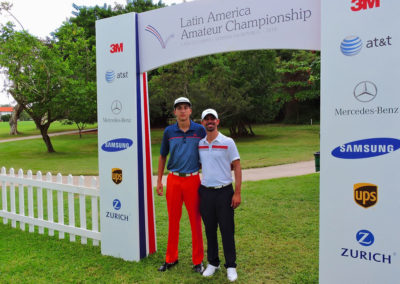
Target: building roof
column 6, row 109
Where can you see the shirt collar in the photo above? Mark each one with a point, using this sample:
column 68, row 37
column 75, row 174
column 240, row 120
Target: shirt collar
column 191, row 127
column 217, row 139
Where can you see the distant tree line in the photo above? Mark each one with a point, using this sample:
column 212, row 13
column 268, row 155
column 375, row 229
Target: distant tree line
column 54, row 79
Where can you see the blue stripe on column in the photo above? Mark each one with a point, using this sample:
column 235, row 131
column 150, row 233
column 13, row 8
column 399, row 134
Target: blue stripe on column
column 142, row 220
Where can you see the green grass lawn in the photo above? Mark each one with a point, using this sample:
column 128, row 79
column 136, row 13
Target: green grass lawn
column 28, row 128
column 272, row 145
column 276, row 239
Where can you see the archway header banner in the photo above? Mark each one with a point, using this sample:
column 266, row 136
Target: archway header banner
column 205, row 27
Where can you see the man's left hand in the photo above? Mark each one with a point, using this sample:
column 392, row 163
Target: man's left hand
column 236, row 199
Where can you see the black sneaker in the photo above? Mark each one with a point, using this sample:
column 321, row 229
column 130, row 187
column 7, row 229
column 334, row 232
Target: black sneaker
column 199, row 268
column 166, row 266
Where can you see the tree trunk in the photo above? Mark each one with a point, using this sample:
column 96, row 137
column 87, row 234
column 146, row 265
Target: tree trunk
column 14, row 119
column 45, row 136
column 291, row 112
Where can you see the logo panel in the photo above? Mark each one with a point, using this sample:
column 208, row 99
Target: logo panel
column 116, row 175
column 366, row 148
column 365, row 194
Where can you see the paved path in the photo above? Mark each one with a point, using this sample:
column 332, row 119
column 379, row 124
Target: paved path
column 288, row 170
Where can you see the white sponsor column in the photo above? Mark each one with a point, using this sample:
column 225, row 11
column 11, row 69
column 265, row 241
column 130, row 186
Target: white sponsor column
column 117, row 125
column 360, row 198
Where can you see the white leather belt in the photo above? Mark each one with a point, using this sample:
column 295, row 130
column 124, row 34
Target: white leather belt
column 184, row 175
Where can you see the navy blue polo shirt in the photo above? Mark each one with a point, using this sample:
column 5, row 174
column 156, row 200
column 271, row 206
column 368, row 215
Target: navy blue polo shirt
column 183, row 147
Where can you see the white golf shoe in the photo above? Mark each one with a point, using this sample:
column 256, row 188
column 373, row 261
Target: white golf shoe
column 232, row 274
column 210, row 270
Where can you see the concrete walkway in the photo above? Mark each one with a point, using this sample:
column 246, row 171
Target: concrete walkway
column 288, row 170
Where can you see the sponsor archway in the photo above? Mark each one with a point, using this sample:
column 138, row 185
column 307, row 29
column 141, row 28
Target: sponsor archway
column 358, row 111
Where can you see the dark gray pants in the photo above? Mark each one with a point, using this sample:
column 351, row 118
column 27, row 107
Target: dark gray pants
column 216, row 210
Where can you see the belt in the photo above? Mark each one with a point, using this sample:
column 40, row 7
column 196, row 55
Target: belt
column 184, row 175
column 217, row 187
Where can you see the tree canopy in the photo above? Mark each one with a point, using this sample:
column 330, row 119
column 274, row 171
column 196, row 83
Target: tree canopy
column 55, row 79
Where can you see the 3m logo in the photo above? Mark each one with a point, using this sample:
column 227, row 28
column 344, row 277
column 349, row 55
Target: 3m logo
column 359, row 5
column 117, row 47
column 365, row 194
column 116, row 175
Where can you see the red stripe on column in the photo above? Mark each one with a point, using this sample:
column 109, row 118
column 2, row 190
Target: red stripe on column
column 150, row 208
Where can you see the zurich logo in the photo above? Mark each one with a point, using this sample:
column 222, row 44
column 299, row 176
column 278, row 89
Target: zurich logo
column 116, row 204
column 110, row 76
column 366, row 148
column 365, row 238
column 351, row 45
column 117, row 145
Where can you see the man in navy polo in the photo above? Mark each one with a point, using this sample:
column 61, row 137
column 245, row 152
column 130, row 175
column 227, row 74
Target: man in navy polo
column 181, row 141
column 218, row 154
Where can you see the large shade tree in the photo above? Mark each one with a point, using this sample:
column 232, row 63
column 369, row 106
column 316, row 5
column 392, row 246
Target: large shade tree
column 298, row 81
column 39, row 77
column 79, row 55
column 236, row 84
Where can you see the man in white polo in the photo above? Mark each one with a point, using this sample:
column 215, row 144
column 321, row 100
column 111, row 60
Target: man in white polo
column 218, row 155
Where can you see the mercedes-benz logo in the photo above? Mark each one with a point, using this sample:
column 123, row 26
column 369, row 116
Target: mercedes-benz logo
column 116, row 107
column 365, row 91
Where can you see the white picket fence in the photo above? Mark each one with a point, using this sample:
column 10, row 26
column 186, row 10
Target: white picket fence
column 34, row 215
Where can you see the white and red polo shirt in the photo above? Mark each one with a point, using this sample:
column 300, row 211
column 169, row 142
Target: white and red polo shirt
column 216, row 159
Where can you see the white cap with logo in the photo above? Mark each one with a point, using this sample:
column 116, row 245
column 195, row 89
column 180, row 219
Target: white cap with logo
column 182, row 100
column 209, row 111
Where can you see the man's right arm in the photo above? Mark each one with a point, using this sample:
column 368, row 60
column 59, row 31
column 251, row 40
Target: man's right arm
column 161, row 166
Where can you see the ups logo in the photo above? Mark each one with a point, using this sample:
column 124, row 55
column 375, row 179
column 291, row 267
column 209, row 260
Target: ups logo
column 365, row 194
column 116, row 175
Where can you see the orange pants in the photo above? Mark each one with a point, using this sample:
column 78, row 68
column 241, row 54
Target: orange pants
column 179, row 190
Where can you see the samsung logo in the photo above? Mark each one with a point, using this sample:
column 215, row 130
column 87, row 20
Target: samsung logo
column 116, row 145
column 366, row 148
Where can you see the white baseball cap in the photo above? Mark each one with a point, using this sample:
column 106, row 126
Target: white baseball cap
column 209, row 111
column 182, row 100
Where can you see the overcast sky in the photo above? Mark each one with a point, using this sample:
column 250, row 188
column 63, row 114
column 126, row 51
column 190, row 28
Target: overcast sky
column 41, row 17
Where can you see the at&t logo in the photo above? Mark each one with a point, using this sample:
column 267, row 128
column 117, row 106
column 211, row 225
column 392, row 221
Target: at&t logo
column 352, row 45
column 111, row 75
column 358, row 5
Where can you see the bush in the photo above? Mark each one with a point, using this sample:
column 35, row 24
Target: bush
column 5, row 117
